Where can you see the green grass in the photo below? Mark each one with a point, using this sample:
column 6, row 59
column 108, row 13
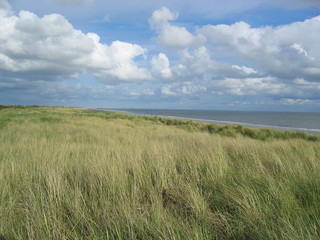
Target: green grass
column 72, row 174
column 223, row 130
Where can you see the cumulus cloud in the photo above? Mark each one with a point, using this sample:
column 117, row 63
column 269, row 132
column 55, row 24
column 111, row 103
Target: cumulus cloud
column 291, row 101
column 244, row 69
column 50, row 47
column 161, row 65
column 303, row 84
column 249, row 86
column 195, row 61
column 171, row 36
column 162, row 17
column 183, row 89
column 117, row 60
column 138, row 92
column 287, row 51
column 199, row 61
column 197, row 64
column 277, row 62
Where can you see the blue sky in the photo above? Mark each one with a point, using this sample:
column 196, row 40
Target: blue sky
column 208, row 54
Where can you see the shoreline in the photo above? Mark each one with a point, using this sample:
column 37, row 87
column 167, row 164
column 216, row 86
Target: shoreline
column 313, row 131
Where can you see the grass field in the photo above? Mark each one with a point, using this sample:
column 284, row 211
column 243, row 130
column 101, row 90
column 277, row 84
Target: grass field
column 72, row 174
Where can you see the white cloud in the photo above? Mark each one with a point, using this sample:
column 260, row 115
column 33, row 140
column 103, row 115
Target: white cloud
column 172, row 36
column 183, row 89
column 162, row 17
column 197, row 64
column 301, row 83
column 291, row 101
column 278, row 54
column 161, row 65
column 195, row 60
column 277, row 62
column 166, row 90
column 117, row 60
column 249, row 86
column 138, row 92
column 298, row 47
column 287, row 51
column 50, row 47
column 245, row 69
column 177, row 37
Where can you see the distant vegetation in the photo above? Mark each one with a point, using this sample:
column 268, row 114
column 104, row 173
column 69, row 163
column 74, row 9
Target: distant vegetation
column 72, row 174
column 224, row 130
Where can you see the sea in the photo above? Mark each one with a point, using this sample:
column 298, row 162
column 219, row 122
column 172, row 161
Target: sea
column 301, row 121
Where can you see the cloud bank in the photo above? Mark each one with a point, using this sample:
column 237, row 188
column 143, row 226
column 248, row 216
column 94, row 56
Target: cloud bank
column 47, row 54
column 49, row 47
column 288, row 52
column 275, row 58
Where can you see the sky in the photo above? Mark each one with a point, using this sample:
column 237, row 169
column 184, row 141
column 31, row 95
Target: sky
column 259, row 55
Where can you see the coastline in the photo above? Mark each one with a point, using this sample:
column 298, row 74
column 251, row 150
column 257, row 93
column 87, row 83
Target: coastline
column 219, row 122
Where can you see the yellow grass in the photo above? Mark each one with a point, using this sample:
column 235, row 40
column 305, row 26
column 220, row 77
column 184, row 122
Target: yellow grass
column 68, row 175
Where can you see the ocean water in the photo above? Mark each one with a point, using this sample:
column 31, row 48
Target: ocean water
column 281, row 120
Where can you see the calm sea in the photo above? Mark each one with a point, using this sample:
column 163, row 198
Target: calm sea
column 281, row 120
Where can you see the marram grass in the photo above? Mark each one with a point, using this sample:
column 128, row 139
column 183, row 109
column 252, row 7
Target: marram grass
column 71, row 174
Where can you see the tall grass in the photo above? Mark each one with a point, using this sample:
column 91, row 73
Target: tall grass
column 69, row 174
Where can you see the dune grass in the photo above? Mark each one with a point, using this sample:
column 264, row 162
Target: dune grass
column 72, row 174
